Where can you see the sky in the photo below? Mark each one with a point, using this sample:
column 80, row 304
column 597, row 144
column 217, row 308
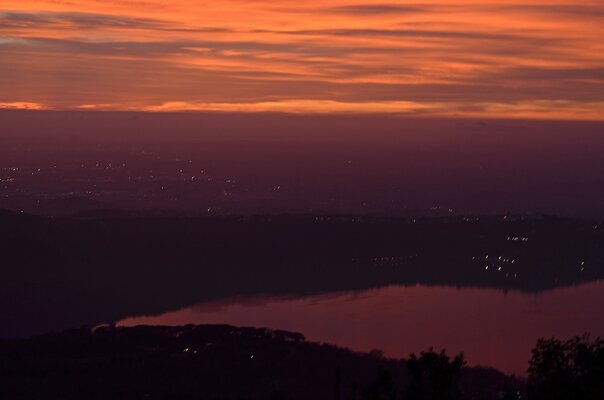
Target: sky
column 490, row 59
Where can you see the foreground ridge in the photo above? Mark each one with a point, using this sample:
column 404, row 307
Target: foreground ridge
column 205, row 361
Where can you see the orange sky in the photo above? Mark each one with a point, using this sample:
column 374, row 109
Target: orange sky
column 495, row 58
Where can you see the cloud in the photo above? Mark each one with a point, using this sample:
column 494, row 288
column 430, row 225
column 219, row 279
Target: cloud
column 420, row 33
column 22, row 105
column 371, row 9
column 73, row 20
column 444, row 57
column 15, row 20
column 563, row 10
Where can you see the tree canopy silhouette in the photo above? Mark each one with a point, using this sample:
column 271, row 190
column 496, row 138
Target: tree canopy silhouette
column 382, row 388
column 572, row 369
column 434, row 376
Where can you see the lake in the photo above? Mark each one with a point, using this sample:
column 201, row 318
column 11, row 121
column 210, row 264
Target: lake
column 492, row 327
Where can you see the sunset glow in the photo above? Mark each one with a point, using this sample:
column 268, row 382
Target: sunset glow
column 495, row 58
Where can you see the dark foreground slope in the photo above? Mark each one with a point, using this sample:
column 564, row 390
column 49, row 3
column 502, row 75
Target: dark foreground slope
column 202, row 362
column 65, row 272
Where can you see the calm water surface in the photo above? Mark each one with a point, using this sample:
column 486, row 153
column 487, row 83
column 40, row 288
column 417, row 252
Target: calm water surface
column 491, row 327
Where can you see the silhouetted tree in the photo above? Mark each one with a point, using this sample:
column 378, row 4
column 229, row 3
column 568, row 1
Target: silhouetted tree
column 278, row 395
column 510, row 394
column 338, row 385
column 383, row 388
column 573, row 369
column 376, row 353
column 434, row 376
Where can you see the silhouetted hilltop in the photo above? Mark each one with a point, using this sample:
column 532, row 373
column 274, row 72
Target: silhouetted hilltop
column 70, row 205
column 201, row 362
column 70, row 271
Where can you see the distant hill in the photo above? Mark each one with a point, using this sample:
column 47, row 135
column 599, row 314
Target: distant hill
column 55, row 207
column 73, row 271
column 69, row 205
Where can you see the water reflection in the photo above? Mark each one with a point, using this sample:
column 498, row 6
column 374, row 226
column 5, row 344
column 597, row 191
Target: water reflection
column 491, row 327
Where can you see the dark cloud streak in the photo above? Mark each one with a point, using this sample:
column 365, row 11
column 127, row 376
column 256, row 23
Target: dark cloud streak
column 79, row 20
column 378, row 9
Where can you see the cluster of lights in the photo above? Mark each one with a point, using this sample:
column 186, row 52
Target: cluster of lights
column 518, row 239
column 500, row 268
